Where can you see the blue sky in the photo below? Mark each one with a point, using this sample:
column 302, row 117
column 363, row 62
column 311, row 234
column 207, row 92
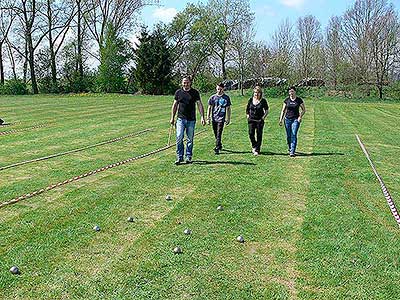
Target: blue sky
column 269, row 13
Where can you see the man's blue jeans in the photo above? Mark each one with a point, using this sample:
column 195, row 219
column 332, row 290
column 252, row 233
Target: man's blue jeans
column 292, row 127
column 182, row 126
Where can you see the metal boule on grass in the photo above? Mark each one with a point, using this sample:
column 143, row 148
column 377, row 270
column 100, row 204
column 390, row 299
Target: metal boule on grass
column 187, row 231
column 131, row 219
column 177, row 250
column 96, row 228
column 240, row 239
column 168, row 197
column 220, row 207
column 14, row 270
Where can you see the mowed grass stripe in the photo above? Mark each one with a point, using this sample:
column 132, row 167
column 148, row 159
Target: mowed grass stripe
column 75, row 150
column 348, row 244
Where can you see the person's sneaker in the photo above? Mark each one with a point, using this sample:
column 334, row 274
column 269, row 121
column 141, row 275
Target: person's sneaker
column 216, row 151
column 292, row 155
column 255, row 153
column 189, row 160
column 178, row 161
column 253, row 150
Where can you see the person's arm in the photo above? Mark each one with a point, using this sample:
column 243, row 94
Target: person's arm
column 283, row 112
column 266, row 110
column 201, row 111
column 248, row 110
column 228, row 115
column 209, row 114
column 174, row 108
column 303, row 111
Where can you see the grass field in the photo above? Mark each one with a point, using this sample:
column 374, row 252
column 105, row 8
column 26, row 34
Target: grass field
column 316, row 226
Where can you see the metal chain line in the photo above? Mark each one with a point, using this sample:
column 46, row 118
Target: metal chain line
column 23, row 129
column 385, row 191
column 75, row 150
column 72, row 179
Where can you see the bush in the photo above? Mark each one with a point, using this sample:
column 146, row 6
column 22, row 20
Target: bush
column 14, row 87
column 204, row 83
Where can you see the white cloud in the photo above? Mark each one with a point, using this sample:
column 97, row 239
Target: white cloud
column 268, row 11
column 292, row 3
column 164, row 14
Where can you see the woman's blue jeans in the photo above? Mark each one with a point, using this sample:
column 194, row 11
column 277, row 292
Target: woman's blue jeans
column 182, row 126
column 292, row 127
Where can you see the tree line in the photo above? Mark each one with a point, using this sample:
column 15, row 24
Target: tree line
column 83, row 45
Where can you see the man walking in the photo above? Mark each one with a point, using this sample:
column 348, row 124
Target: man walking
column 219, row 111
column 185, row 102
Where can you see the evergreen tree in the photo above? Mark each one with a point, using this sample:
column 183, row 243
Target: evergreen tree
column 153, row 63
column 115, row 54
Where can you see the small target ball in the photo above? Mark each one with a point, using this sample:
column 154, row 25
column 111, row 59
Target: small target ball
column 96, row 228
column 131, row 219
column 14, row 270
column 177, row 250
column 220, row 207
column 187, row 231
column 240, row 239
column 168, row 197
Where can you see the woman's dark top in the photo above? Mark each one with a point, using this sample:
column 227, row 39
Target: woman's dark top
column 292, row 107
column 256, row 112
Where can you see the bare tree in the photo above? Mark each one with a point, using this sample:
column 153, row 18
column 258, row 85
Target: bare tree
column 384, row 35
column 7, row 17
column 30, row 30
column 119, row 13
column 310, row 44
column 283, row 46
column 334, row 49
column 241, row 47
column 58, row 16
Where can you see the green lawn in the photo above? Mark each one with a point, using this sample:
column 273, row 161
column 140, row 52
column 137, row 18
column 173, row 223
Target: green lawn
column 316, row 226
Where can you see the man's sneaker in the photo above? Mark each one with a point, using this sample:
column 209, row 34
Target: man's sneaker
column 292, row 155
column 216, row 151
column 254, row 151
column 179, row 161
column 189, row 160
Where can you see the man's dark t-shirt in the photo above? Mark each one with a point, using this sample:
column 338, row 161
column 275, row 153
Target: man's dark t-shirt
column 256, row 112
column 187, row 103
column 292, row 107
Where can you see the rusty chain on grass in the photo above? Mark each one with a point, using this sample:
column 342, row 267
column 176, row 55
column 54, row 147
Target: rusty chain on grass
column 75, row 150
column 72, row 179
column 385, row 191
column 23, row 129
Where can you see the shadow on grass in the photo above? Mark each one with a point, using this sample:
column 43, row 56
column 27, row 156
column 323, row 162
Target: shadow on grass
column 228, row 151
column 302, row 153
column 206, row 162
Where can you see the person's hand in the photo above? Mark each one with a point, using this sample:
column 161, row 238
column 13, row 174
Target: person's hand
column 203, row 121
column 172, row 121
column 208, row 121
column 248, row 117
column 280, row 123
column 227, row 121
column 299, row 119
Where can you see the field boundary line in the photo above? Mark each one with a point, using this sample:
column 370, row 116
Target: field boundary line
column 23, row 129
column 385, row 191
column 76, row 178
column 75, row 150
